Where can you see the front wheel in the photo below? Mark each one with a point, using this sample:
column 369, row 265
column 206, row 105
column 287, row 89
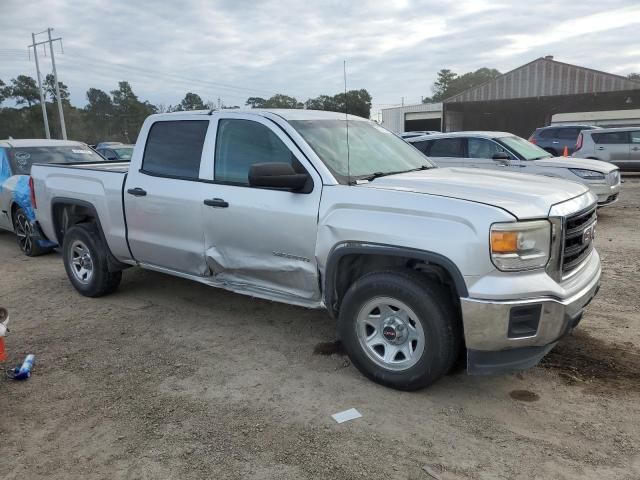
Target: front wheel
column 25, row 234
column 85, row 260
column 399, row 329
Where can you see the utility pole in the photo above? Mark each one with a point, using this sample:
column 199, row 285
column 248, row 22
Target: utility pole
column 55, row 78
column 42, row 102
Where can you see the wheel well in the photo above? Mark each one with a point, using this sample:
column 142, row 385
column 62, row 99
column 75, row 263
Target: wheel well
column 14, row 209
column 66, row 215
column 350, row 267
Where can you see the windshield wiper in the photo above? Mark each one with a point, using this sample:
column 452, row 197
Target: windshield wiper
column 375, row 175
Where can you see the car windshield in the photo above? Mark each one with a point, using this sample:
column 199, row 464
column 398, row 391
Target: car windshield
column 373, row 150
column 124, row 153
column 524, row 148
column 21, row 158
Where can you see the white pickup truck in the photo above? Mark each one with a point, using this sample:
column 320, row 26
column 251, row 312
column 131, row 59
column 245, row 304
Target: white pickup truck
column 417, row 263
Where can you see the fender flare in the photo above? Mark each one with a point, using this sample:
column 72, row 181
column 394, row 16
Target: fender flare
column 113, row 263
column 350, row 248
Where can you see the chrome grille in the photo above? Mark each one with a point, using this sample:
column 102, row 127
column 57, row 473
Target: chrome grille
column 578, row 238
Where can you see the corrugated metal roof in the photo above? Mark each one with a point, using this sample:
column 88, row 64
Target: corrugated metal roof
column 545, row 77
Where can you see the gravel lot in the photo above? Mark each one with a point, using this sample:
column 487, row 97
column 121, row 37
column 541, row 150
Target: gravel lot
column 171, row 379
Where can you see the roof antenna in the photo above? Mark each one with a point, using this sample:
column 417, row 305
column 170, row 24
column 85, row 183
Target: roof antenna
column 346, row 119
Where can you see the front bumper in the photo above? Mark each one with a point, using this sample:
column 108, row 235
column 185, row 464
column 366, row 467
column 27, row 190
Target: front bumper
column 607, row 194
column 507, row 335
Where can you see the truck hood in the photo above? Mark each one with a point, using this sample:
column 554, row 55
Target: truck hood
column 570, row 162
column 522, row 195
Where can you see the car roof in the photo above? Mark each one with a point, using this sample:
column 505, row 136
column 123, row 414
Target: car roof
column 567, row 125
column 287, row 114
column 477, row 134
column 616, row 129
column 38, row 142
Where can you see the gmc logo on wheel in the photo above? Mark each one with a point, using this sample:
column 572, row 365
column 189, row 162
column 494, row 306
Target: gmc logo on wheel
column 589, row 234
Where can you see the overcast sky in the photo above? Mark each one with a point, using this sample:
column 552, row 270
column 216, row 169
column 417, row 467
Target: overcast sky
column 234, row 49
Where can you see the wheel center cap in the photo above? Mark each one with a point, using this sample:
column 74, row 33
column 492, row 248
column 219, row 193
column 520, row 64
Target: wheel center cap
column 394, row 331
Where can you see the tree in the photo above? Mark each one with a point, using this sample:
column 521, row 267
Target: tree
column 50, row 89
column 100, row 103
column 5, row 91
column 634, row 76
column 277, row 101
column 129, row 111
column 25, row 90
column 448, row 83
column 442, row 84
column 192, row 101
column 358, row 103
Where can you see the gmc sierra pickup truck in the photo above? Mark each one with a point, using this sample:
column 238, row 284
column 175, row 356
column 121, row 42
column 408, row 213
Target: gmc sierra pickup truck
column 417, row 263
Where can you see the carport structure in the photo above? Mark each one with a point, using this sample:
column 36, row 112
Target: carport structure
column 523, row 99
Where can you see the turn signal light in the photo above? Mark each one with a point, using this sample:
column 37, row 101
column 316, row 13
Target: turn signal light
column 504, row 242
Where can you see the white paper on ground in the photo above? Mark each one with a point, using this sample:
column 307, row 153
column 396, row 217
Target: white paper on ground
column 347, row 415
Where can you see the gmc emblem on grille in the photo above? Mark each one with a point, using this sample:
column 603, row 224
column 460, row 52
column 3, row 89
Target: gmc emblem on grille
column 589, row 234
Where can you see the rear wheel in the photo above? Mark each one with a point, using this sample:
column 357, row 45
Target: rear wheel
column 25, row 234
column 85, row 260
column 399, row 329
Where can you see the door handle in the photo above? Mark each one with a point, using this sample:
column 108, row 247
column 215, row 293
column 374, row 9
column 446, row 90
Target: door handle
column 216, row 202
column 137, row 192
column 600, row 148
column 635, row 149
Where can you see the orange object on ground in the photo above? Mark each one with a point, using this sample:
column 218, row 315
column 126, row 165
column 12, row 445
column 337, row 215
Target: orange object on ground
column 3, row 352
column 565, row 153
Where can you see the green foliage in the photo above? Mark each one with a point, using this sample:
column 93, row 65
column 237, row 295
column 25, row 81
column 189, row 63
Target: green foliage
column 448, row 83
column 24, row 90
column 358, row 103
column 5, row 91
column 192, row 101
column 49, row 87
column 277, row 101
column 634, row 76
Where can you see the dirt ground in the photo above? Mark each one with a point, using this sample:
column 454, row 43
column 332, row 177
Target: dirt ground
column 172, row 379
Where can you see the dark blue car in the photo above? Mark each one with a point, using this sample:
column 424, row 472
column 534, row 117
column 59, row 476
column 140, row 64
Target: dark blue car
column 554, row 138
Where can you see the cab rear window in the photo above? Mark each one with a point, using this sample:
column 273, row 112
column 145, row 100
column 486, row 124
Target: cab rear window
column 22, row 158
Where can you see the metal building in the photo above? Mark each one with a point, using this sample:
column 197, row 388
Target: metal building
column 424, row 116
column 528, row 97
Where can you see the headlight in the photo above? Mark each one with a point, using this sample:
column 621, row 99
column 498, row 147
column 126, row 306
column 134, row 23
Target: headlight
column 588, row 174
column 520, row 245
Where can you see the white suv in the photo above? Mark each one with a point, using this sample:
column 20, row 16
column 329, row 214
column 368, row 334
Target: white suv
column 504, row 151
column 620, row 146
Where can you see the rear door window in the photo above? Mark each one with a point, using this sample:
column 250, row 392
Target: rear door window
column 174, row 149
column 422, row 146
column 611, row 138
column 447, row 147
column 635, row 136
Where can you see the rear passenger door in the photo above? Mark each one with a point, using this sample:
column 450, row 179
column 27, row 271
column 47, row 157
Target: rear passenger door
column 448, row 152
column 612, row 146
column 634, row 150
column 163, row 200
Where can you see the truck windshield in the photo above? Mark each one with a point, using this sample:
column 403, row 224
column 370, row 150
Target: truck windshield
column 373, row 150
column 21, row 158
column 525, row 149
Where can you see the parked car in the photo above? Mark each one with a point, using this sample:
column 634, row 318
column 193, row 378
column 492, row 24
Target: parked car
column 620, row 146
column 555, row 138
column 107, row 144
column 121, row 152
column 414, row 261
column 504, row 151
column 417, row 133
column 16, row 208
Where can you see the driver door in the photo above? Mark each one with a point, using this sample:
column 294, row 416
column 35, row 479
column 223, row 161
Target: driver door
column 481, row 153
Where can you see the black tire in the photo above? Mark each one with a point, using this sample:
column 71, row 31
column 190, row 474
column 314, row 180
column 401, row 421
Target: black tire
column 23, row 229
column 85, row 237
column 437, row 316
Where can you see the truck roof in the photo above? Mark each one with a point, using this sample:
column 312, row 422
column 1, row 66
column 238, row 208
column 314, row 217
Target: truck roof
column 287, row 114
column 38, row 142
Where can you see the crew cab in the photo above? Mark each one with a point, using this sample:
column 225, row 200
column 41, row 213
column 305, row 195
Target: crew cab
column 320, row 210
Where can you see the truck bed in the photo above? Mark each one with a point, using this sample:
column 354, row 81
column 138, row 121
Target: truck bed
column 98, row 184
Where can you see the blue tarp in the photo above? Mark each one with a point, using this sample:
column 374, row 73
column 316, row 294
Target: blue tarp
column 22, row 196
column 4, row 167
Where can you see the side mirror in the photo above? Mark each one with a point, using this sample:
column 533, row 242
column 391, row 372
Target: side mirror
column 112, row 157
column 279, row 175
column 501, row 156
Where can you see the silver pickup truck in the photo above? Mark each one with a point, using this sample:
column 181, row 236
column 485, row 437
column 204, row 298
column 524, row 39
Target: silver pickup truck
column 418, row 264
